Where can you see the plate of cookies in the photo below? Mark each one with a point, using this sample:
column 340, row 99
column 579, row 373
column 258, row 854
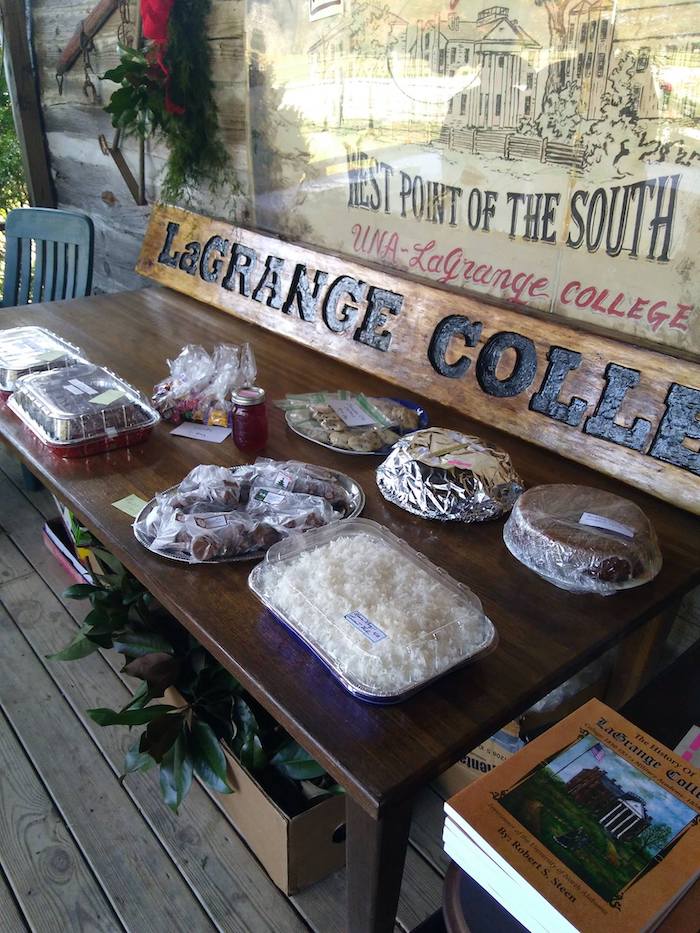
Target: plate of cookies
column 353, row 423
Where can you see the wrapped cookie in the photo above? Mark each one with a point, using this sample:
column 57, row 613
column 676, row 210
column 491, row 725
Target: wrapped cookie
column 439, row 473
column 582, row 539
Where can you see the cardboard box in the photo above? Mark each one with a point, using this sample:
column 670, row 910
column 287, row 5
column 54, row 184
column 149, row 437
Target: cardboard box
column 480, row 761
column 295, row 851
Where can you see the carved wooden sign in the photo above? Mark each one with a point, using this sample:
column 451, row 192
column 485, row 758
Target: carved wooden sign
column 628, row 412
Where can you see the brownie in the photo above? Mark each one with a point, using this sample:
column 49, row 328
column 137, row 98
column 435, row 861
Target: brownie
column 583, row 539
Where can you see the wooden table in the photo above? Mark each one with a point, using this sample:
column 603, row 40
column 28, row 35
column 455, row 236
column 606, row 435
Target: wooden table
column 381, row 755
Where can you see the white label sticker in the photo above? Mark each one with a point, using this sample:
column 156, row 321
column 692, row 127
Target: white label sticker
column 212, row 521
column 283, row 479
column 351, row 413
column 363, row 624
column 83, row 386
column 73, row 389
column 269, row 496
column 606, row 524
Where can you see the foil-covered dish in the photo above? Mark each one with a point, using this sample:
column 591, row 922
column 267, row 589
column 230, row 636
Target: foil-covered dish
column 442, row 474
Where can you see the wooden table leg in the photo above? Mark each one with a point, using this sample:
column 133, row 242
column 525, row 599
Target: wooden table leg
column 376, row 851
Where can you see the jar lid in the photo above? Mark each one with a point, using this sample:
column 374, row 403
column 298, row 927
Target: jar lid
column 249, row 395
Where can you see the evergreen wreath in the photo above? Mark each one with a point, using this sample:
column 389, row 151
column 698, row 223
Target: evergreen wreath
column 165, row 90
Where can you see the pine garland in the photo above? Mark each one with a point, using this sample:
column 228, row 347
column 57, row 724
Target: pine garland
column 169, row 94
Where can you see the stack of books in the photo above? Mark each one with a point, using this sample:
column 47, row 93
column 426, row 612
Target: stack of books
column 592, row 827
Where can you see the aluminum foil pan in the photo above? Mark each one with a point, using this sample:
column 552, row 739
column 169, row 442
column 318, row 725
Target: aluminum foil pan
column 439, row 473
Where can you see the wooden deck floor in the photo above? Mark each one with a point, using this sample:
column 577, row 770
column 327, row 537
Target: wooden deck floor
column 81, row 851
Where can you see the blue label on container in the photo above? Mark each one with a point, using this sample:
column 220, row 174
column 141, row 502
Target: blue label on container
column 363, row 624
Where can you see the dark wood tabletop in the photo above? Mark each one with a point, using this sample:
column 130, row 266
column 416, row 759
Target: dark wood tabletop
column 380, row 754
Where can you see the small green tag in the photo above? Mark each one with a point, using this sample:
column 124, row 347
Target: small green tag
column 132, row 505
column 106, row 398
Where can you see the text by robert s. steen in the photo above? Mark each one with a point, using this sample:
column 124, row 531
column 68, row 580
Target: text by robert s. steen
column 635, row 218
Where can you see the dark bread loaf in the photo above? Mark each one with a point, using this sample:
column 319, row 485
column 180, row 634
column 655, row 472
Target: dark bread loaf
column 612, row 548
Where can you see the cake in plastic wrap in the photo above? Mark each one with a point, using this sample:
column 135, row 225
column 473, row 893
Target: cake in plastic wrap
column 231, row 513
column 583, row 539
column 439, row 473
column 82, row 410
column 381, row 616
column 31, row 349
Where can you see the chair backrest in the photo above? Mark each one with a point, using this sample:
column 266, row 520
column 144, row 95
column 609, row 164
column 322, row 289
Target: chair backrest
column 60, row 263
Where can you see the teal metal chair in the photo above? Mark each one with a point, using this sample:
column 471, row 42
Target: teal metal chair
column 48, row 256
column 60, row 263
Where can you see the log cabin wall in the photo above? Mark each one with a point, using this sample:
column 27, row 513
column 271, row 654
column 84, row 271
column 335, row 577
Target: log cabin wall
column 89, row 181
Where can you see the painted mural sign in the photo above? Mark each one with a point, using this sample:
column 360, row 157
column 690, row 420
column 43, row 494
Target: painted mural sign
column 544, row 153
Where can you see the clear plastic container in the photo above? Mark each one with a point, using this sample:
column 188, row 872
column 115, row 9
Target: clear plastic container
column 82, row 411
column 383, row 618
column 26, row 350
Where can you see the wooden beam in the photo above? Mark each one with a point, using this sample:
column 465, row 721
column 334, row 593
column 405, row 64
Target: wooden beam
column 87, row 30
column 26, row 107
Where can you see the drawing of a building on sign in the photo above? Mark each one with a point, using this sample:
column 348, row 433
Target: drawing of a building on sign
column 506, row 58
column 666, row 78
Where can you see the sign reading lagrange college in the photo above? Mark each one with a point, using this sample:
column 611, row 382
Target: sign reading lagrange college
column 626, row 411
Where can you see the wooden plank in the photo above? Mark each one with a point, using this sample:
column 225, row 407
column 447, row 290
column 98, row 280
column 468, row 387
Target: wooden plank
column 234, row 890
column 51, row 879
column 86, row 31
column 124, row 854
column 321, row 904
column 12, row 567
column 11, row 920
column 623, row 410
column 26, row 108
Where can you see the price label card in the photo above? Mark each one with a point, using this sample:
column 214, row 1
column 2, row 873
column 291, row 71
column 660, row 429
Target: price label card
column 351, row 413
column 106, row 398
column 83, row 386
column 606, row 524
column 360, row 621
column 202, row 432
column 131, row 505
column 269, row 496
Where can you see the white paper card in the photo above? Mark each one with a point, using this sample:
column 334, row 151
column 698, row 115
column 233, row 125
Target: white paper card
column 351, row 413
column 606, row 524
column 72, row 389
column 202, row 432
column 269, row 496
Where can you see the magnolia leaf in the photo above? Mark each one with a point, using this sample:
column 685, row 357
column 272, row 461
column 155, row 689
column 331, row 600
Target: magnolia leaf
column 252, row 755
column 81, row 591
column 128, row 717
column 135, row 760
column 137, row 644
column 158, row 669
column 208, row 758
column 292, row 761
column 139, row 699
column 110, row 561
column 160, row 734
column 99, row 622
column 80, row 647
column 176, row 773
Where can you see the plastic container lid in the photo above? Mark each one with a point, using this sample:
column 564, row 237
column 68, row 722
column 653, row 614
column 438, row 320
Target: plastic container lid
column 381, row 616
column 85, row 403
column 26, row 350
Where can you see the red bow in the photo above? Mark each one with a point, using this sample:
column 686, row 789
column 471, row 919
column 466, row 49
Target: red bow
column 155, row 16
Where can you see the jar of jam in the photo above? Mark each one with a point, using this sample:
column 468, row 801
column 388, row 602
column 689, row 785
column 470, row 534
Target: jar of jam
column 249, row 419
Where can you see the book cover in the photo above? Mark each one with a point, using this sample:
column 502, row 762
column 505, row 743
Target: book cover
column 596, row 817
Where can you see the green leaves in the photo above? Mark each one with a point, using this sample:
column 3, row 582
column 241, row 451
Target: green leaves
column 136, row 760
column 176, row 773
column 81, row 591
column 160, row 734
column 208, row 757
column 247, row 745
column 80, row 647
column 292, row 761
column 129, row 717
column 137, row 644
column 159, row 669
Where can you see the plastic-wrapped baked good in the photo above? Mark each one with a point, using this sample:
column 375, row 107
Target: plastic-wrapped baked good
column 25, row 350
column 582, row 539
column 82, row 410
column 439, row 473
column 381, row 616
column 226, row 513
